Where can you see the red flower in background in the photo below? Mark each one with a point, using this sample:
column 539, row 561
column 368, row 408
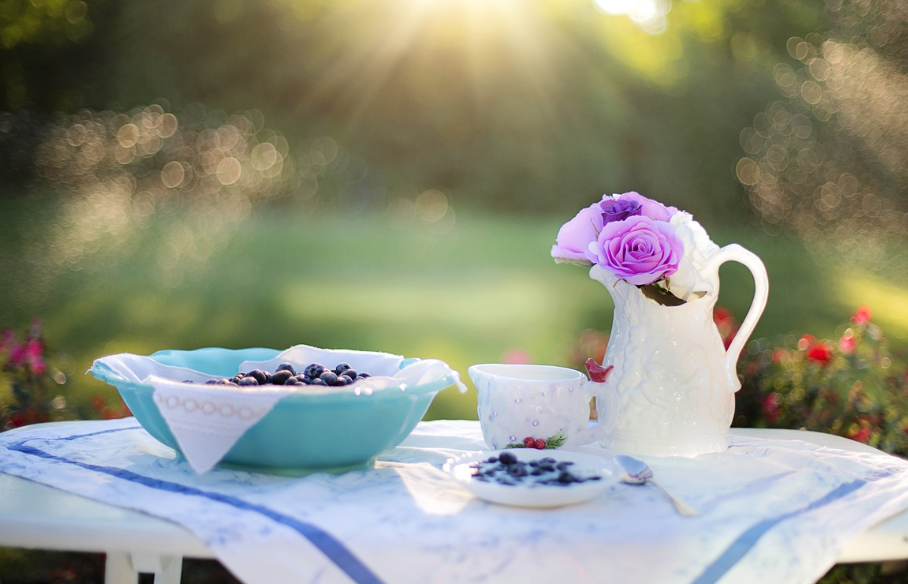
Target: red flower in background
column 820, row 353
column 806, row 341
column 726, row 323
column 852, row 385
column 860, row 432
column 771, row 407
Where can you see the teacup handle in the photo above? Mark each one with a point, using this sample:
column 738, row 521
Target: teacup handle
column 599, row 430
column 735, row 253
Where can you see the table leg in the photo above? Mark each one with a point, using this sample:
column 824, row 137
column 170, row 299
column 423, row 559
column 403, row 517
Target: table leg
column 124, row 568
column 118, row 569
column 166, row 569
column 170, row 572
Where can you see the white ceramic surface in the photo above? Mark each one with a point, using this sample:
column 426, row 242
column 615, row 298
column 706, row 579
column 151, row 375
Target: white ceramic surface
column 674, row 378
column 531, row 495
column 537, row 401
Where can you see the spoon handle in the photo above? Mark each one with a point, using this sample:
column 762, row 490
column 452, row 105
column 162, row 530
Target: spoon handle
column 681, row 507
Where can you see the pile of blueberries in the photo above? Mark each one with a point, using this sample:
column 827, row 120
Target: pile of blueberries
column 312, row 374
column 506, row 469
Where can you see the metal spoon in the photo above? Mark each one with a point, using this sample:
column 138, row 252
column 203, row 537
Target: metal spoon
column 638, row 472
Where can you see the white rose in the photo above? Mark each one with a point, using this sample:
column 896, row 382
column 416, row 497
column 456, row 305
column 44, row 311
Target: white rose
column 698, row 249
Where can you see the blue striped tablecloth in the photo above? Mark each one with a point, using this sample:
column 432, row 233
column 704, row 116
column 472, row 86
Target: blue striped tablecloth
column 776, row 511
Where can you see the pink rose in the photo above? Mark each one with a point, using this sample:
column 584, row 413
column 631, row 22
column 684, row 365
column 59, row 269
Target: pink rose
column 575, row 236
column 637, row 249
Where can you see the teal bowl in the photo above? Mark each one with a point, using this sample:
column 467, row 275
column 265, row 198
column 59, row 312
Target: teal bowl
column 302, row 433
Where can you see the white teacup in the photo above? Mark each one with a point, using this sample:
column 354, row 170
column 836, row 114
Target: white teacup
column 542, row 402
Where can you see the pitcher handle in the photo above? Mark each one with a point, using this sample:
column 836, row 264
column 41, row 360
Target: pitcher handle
column 735, row 253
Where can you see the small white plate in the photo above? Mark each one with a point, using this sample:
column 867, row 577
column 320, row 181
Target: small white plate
column 528, row 493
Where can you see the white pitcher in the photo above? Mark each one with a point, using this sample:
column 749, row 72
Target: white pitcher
column 674, row 378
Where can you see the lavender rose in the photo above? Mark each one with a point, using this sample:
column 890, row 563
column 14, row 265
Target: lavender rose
column 650, row 208
column 637, row 249
column 618, row 209
column 575, row 236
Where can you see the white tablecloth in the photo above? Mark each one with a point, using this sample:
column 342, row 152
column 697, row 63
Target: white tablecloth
column 776, row 511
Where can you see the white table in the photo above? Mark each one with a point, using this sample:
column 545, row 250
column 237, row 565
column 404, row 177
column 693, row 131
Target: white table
column 36, row 516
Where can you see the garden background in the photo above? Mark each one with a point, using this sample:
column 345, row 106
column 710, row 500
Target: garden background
column 391, row 174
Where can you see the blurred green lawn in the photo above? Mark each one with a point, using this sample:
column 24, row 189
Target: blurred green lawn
column 368, row 282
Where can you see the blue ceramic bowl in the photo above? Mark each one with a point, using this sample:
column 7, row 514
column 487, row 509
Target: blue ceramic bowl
column 302, row 433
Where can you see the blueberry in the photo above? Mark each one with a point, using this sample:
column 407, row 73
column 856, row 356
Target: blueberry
column 260, row 376
column 247, row 381
column 507, row 458
column 317, row 381
column 289, row 381
column 566, row 478
column 351, row 373
column 314, row 370
column 286, row 367
column 344, row 379
column 363, row 375
column 341, row 367
column 329, row 377
column 282, row 376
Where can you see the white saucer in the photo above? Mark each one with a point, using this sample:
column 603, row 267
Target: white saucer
column 534, row 494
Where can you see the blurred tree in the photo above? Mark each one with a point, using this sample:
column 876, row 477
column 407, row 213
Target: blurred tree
column 42, row 59
column 506, row 104
column 828, row 158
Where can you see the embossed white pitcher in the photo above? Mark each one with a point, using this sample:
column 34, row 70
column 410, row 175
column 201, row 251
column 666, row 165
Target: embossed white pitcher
column 675, row 380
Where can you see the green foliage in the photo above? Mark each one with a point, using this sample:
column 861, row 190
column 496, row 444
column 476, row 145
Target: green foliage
column 44, row 22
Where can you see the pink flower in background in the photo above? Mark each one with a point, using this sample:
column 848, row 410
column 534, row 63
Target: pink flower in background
column 862, row 316
column 637, row 249
column 33, row 356
column 516, row 357
column 16, row 354
column 847, row 342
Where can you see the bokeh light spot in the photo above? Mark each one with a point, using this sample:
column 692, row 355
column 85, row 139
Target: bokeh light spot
column 172, row 174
